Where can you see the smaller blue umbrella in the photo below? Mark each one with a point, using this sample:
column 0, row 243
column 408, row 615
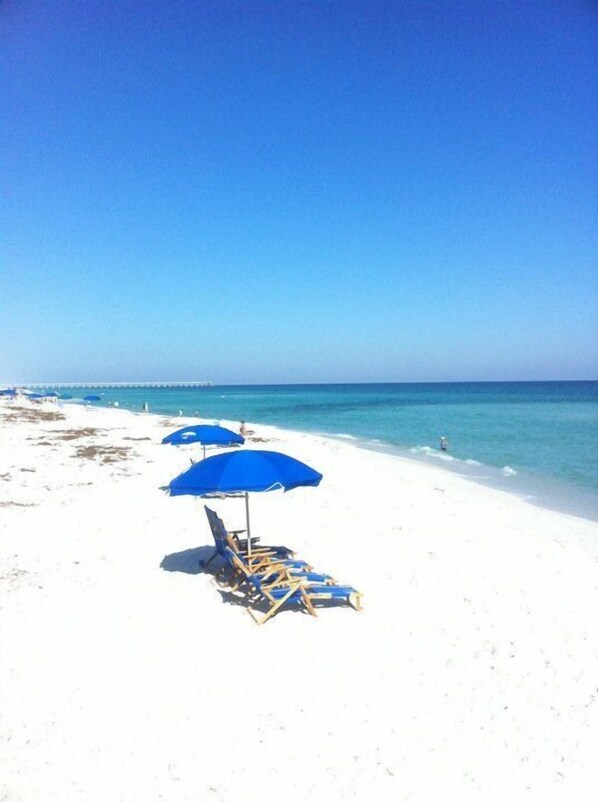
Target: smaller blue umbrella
column 92, row 398
column 245, row 472
column 206, row 435
column 51, row 395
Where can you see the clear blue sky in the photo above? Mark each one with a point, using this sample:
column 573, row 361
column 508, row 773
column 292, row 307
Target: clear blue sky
column 298, row 191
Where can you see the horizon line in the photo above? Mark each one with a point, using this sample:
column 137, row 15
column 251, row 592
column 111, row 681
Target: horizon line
column 204, row 384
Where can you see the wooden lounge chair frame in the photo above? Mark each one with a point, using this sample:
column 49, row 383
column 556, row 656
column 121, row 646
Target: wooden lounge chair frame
column 260, row 555
column 299, row 588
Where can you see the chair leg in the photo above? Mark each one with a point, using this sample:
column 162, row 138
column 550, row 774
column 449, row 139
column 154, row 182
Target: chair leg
column 253, row 615
column 239, row 581
column 222, row 577
column 308, row 603
column 277, row 605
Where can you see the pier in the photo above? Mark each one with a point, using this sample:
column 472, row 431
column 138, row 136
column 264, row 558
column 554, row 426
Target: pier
column 113, row 385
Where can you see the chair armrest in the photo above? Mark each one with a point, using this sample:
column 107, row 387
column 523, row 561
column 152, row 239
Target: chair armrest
column 243, row 542
column 262, row 551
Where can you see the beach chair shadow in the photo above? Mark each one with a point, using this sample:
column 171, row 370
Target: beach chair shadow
column 191, row 561
column 265, row 582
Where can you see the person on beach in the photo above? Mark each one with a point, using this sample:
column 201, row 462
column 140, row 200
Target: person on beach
column 145, row 406
column 443, row 444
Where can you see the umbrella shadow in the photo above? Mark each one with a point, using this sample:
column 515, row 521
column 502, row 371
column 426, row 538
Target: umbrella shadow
column 192, row 561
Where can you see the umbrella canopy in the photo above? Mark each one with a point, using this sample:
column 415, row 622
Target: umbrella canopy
column 8, row 392
column 245, row 472
column 206, row 435
column 92, row 398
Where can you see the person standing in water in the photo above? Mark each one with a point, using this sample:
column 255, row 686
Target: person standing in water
column 145, row 406
column 443, row 444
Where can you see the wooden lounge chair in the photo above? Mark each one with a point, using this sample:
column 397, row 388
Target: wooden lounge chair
column 282, row 589
column 269, row 570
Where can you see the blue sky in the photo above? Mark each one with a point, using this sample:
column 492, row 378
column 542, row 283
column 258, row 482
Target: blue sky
column 298, row 191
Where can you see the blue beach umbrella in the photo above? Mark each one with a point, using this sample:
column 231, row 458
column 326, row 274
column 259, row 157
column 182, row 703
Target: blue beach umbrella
column 92, row 398
column 244, row 472
column 51, row 395
column 205, row 435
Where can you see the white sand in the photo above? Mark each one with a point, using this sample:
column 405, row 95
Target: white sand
column 471, row 674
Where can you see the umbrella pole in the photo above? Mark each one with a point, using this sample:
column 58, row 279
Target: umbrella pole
column 204, row 452
column 248, row 529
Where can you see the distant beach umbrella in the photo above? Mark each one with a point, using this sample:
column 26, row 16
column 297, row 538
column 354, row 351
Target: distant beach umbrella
column 91, row 398
column 9, row 393
column 244, row 472
column 51, row 395
column 204, row 434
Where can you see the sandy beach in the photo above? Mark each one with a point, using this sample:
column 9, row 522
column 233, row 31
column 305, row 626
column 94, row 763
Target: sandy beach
column 127, row 674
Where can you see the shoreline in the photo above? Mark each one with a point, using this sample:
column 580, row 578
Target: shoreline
column 535, row 436
column 126, row 673
column 542, row 489
column 546, row 492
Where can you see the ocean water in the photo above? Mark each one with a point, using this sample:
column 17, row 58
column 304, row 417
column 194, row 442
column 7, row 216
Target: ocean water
column 538, row 439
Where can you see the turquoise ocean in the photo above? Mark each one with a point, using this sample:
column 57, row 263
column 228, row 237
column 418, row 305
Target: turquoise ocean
column 537, row 439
